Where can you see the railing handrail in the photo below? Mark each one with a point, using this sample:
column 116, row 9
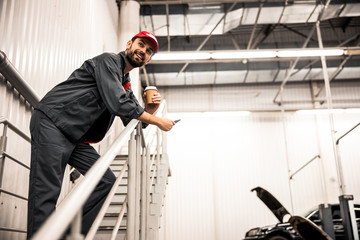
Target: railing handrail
column 303, row 166
column 11, row 74
column 148, row 137
column 338, row 140
column 4, row 154
column 4, row 121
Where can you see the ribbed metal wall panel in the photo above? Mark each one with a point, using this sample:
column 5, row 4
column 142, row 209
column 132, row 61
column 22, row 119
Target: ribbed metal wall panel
column 45, row 40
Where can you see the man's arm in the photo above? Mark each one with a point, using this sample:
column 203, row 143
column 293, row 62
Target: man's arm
column 162, row 123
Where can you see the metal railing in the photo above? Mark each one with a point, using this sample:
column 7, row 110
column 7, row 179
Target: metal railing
column 5, row 155
column 347, row 208
column 303, row 166
column 339, row 165
column 69, row 211
column 11, row 74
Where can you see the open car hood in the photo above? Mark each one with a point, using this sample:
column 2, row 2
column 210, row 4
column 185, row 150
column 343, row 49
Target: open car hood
column 272, row 203
column 306, row 229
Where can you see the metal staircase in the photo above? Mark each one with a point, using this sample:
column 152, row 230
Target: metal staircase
column 141, row 188
column 157, row 195
column 107, row 225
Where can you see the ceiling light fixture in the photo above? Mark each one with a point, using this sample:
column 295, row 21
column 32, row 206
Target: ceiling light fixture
column 310, row 53
column 243, row 54
column 181, row 56
column 246, row 54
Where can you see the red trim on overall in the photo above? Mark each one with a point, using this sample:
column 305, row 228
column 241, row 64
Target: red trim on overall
column 127, row 85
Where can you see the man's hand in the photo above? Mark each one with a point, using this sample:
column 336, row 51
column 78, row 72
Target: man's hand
column 151, row 108
column 165, row 124
column 162, row 123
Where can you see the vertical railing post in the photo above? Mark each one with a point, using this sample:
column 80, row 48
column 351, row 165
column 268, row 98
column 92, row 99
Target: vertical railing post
column 143, row 194
column 131, row 205
column 148, row 182
column 3, row 140
column 138, row 182
column 158, row 148
column 76, row 228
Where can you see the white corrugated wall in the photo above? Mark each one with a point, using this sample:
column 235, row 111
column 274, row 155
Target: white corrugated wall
column 45, row 40
column 217, row 159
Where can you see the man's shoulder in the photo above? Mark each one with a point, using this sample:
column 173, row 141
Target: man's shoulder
column 109, row 57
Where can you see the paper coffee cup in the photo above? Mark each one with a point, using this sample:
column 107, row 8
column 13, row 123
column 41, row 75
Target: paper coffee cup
column 150, row 91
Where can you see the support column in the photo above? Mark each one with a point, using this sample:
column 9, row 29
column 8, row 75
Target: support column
column 131, row 194
column 128, row 26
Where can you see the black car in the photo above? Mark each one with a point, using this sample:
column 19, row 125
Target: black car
column 287, row 229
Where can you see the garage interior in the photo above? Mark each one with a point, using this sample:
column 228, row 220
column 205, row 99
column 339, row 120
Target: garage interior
column 268, row 93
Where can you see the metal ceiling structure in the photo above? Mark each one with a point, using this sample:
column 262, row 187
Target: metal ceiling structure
column 227, row 25
column 207, row 25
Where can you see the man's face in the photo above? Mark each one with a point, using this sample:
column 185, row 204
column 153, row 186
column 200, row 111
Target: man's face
column 139, row 52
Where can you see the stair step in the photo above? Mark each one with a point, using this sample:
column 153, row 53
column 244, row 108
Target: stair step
column 115, row 214
column 114, row 208
column 111, row 228
column 117, row 167
column 106, row 227
column 105, row 234
column 122, row 188
column 111, row 221
column 117, row 172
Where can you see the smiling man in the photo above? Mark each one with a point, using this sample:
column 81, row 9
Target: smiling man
column 80, row 111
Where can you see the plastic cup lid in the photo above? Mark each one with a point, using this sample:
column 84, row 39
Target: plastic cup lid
column 150, row 88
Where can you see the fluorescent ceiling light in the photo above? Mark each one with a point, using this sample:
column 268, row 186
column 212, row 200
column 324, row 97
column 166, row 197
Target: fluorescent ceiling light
column 243, row 54
column 246, row 54
column 181, row 56
column 328, row 111
column 310, row 53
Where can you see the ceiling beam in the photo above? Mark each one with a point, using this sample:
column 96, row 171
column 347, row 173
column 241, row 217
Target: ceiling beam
column 207, row 38
column 291, row 68
column 254, row 27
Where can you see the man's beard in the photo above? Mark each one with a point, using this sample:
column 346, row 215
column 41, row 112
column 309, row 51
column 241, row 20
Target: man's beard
column 130, row 56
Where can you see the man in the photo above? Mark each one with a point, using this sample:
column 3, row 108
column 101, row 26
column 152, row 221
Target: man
column 80, row 111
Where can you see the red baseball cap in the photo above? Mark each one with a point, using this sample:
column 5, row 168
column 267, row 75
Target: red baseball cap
column 151, row 37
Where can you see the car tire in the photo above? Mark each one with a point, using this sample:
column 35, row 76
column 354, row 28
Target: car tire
column 277, row 237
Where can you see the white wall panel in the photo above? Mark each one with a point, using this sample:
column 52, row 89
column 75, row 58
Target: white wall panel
column 217, row 160
column 45, row 40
